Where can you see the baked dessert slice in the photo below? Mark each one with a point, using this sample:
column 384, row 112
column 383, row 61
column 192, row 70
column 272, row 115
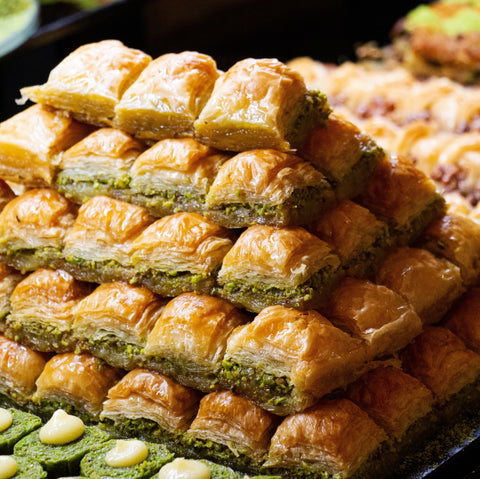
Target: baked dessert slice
column 267, row 187
column 31, row 143
column 43, row 309
column 375, row 314
column 90, row 81
column 98, row 165
column 113, row 323
column 26, row 468
column 33, row 227
column 174, row 175
column 284, row 360
column 9, row 278
column 97, row 248
column 260, row 104
column 189, row 339
column 287, row 266
column 180, row 253
column 150, row 406
column 22, row 423
column 345, row 154
column 168, row 96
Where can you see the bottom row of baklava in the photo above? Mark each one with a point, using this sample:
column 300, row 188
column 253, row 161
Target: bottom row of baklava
column 355, row 432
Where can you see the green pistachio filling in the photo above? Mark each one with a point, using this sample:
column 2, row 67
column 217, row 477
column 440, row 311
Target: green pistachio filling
column 30, row 259
column 23, row 423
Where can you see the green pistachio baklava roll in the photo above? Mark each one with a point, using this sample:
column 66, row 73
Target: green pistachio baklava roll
column 90, row 81
column 180, row 253
column 267, row 187
column 168, row 96
column 345, row 154
column 174, row 175
column 19, row 467
column 287, row 266
column 150, row 406
column 114, row 321
column 260, row 104
column 9, row 278
column 284, row 360
column 199, row 468
column 15, row 424
column 97, row 248
column 98, row 165
column 33, row 228
column 189, row 339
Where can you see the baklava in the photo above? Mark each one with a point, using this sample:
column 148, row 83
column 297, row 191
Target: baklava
column 168, row 96
column 267, row 187
column 21, row 424
column 6, row 194
column 260, row 104
column 287, row 266
column 9, row 278
column 90, row 81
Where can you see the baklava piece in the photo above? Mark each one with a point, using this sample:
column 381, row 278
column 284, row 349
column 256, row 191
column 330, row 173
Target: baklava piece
column 33, row 227
column 6, row 194
column 9, row 278
column 375, row 314
column 77, row 383
column 286, row 359
column 150, row 406
column 31, row 143
column 334, row 438
column 355, row 234
column 180, row 253
column 404, row 197
column 90, row 81
column 456, row 238
column 168, row 96
column 188, row 342
column 21, row 424
column 430, row 284
column 26, row 468
column 43, row 307
column 346, row 155
column 174, row 175
column 113, row 323
column 19, row 369
column 287, row 266
column 260, row 104
column 98, row 165
column 97, row 248
column 230, row 430
column 267, row 187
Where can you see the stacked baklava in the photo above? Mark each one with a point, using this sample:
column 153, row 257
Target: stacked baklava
column 214, row 262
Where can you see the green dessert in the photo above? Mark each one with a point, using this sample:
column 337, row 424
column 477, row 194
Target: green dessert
column 25, row 468
column 23, row 423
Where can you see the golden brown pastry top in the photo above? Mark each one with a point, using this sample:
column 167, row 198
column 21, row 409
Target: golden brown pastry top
column 261, row 176
column 194, row 328
column 334, row 435
column 392, row 398
column 182, row 242
column 284, row 257
column 232, row 420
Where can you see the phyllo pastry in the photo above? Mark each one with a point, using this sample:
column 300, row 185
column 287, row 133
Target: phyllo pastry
column 33, row 227
column 6, row 194
column 9, row 278
column 404, row 197
column 98, row 165
column 168, row 96
column 15, row 424
column 230, row 430
column 441, row 361
column 346, row 155
column 456, row 238
column 355, row 234
column 188, row 341
column 287, row 266
column 78, row 383
column 19, row 369
column 260, row 104
column 90, row 81
column 430, row 284
column 97, row 248
column 31, row 143
column 43, row 306
column 286, row 359
column 374, row 313
column 174, row 175
column 150, row 406
column 267, row 187
column 334, row 438
column 180, row 253
column 114, row 321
